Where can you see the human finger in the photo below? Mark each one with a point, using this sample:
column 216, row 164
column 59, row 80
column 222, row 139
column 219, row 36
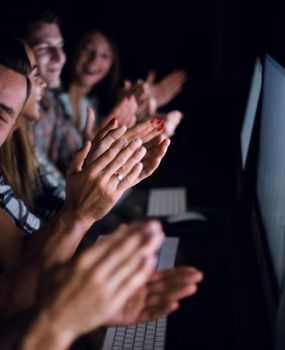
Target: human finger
column 87, row 132
column 154, row 313
column 78, row 159
column 150, row 79
column 102, row 145
column 143, row 240
column 108, row 156
column 132, row 161
column 121, row 158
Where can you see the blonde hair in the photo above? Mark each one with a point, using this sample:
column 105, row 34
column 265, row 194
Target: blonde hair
column 18, row 166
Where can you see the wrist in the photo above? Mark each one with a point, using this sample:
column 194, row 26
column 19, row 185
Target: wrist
column 73, row 220
column 47, row 332
column 68, row 231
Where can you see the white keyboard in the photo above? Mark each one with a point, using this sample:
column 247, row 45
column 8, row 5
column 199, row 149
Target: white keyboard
column 144, row 336
column 167, row 201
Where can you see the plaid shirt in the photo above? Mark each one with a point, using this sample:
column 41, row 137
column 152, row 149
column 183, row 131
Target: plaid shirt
column 16, row 209
column 47, row 204
column 55, row 135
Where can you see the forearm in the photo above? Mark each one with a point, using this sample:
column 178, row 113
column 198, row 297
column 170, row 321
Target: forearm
column 46, row 333
column 65, row 230
column 34, row 329
column 54, row 243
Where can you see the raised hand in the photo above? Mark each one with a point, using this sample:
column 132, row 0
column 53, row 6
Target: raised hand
column 92, row 191
column 142, row 93
column 82, row 295
column 146, row 130
column 167, row 88
column 159, row 297
column 124, row 113
column 171, row 121
column 156, row 149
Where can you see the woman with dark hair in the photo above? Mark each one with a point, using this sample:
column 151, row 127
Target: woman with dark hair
column 93, row 76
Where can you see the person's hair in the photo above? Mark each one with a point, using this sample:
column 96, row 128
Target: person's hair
column 38, row 15
column 17, row 165
column 106, row 89
column 13, row 55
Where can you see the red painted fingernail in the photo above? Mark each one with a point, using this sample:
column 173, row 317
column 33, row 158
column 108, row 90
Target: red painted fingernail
column 157, row 121
column 113, row 121
column 152, row 121
column 161, row 128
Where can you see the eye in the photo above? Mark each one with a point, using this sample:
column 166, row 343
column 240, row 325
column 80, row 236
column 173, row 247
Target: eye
column 37, row 73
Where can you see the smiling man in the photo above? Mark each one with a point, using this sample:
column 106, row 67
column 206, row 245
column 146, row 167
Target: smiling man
column 55, row 136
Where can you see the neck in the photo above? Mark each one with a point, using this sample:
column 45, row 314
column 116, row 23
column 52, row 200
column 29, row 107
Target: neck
column 77, row 91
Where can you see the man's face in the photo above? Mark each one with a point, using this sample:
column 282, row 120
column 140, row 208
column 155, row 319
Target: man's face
column 13, row 90
column 46, row 41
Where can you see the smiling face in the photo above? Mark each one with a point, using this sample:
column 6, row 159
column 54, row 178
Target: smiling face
column 47, row 43
column 94, row 60
column 33, row 109
column 13, row 90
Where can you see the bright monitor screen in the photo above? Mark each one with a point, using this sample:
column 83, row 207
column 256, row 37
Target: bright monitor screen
column 250, row 111
column 271, row 163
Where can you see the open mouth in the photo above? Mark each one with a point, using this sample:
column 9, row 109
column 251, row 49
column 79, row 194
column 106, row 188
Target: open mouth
column 90, row 71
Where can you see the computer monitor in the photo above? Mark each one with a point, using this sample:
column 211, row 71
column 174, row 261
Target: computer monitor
column 247, row 141
column 270, row 177
column 250, row 111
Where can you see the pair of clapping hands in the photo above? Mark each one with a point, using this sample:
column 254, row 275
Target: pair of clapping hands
column 116, row 159
column 111, row 283
column 147, row 96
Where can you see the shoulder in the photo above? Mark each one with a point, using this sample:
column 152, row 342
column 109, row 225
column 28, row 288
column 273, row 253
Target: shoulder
column 16, row 209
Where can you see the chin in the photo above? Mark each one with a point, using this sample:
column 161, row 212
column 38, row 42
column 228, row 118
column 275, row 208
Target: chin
column 53, row 84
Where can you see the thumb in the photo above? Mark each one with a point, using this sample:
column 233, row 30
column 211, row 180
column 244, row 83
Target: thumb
column 88, row 130
column 78, row 159
column 150, row 79
column 127, row 85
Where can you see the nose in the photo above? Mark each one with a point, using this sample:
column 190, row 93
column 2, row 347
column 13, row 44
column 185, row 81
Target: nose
column 92, row 57
column 57, row 54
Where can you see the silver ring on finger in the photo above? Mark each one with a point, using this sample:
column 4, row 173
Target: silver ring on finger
column 119, row 176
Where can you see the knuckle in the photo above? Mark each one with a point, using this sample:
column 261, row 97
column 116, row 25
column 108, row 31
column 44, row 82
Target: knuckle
column 121, row 159
column 100, row 181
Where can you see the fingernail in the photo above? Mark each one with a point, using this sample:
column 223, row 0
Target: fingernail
column 161, row 128
column 152, row 121
column 142, row 150
column 137, row 141
column 113, row 121
column 157, row 121
column 124, row 142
